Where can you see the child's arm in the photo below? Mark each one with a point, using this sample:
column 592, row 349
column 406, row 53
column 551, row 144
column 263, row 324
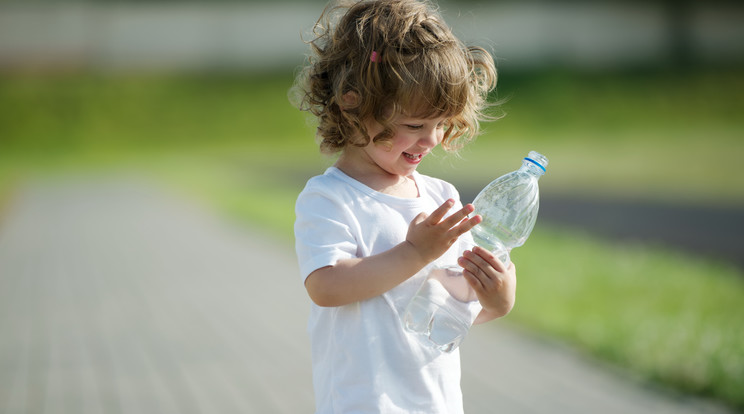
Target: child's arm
column 494, row 283
column 353, row 280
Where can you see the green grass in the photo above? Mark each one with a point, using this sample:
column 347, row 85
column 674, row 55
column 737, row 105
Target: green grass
column 669, row 317
column 236, row 143
column 651, row 137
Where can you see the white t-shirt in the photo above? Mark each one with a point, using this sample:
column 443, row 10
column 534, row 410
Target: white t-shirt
column 363, row 360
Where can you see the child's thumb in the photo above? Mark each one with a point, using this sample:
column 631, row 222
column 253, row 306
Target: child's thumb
column 419, row 218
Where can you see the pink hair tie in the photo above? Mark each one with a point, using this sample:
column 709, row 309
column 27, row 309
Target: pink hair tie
column 374, row 57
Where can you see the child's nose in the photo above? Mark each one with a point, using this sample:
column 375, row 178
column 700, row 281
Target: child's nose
column 430, row 138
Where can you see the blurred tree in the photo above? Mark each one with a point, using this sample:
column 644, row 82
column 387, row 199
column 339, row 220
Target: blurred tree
column 679, row 20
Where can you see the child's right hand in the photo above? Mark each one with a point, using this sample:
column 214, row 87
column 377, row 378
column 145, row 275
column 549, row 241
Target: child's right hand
column 432, row 235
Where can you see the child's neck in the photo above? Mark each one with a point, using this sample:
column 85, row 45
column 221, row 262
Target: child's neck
column 380, row 180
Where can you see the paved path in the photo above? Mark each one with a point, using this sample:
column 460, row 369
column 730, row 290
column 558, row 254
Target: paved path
column 116, row 297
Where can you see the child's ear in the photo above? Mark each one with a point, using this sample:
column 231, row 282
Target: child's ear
column 349, row 100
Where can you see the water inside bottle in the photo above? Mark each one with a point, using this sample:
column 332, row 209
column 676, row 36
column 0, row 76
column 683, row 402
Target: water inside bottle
column 442, row 311
column 436, row 317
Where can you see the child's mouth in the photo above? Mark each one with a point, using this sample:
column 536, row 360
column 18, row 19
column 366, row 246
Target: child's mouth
column 414, row 157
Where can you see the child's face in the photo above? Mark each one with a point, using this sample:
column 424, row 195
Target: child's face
column 413, row 139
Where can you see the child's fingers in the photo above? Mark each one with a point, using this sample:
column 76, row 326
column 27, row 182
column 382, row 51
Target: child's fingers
column 473, row 280
column 471, row 268
column 459, row 216
column 489, row 258
column 467, row 224
column 483, row 259
column 478, row 277
column 436, row 216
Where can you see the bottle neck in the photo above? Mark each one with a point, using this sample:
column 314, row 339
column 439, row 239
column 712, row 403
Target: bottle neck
column 532, row 167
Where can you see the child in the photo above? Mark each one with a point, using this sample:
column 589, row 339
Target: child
column 388, row 82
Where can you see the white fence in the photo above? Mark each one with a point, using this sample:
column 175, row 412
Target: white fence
column 208, row 36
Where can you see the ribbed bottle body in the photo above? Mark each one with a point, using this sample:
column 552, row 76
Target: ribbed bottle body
column 445, row 306
column 509, row 207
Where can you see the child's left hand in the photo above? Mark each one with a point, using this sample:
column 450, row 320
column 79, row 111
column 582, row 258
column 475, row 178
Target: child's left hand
column 493, row 282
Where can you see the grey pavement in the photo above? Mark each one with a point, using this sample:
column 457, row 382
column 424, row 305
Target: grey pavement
column 117, row 296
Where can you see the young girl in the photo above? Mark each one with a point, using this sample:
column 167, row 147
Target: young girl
column 388, row 82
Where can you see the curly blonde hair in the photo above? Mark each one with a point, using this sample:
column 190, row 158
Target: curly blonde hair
column 383, row 58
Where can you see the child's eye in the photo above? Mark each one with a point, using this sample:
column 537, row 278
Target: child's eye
column 415, row 126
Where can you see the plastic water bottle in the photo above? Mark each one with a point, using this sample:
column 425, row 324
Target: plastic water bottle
column 445, row 306
column 509, row 206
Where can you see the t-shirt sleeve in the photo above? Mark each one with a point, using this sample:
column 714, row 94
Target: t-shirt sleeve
column 323, row 231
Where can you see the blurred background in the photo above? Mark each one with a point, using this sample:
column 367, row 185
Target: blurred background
column 638, row 256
